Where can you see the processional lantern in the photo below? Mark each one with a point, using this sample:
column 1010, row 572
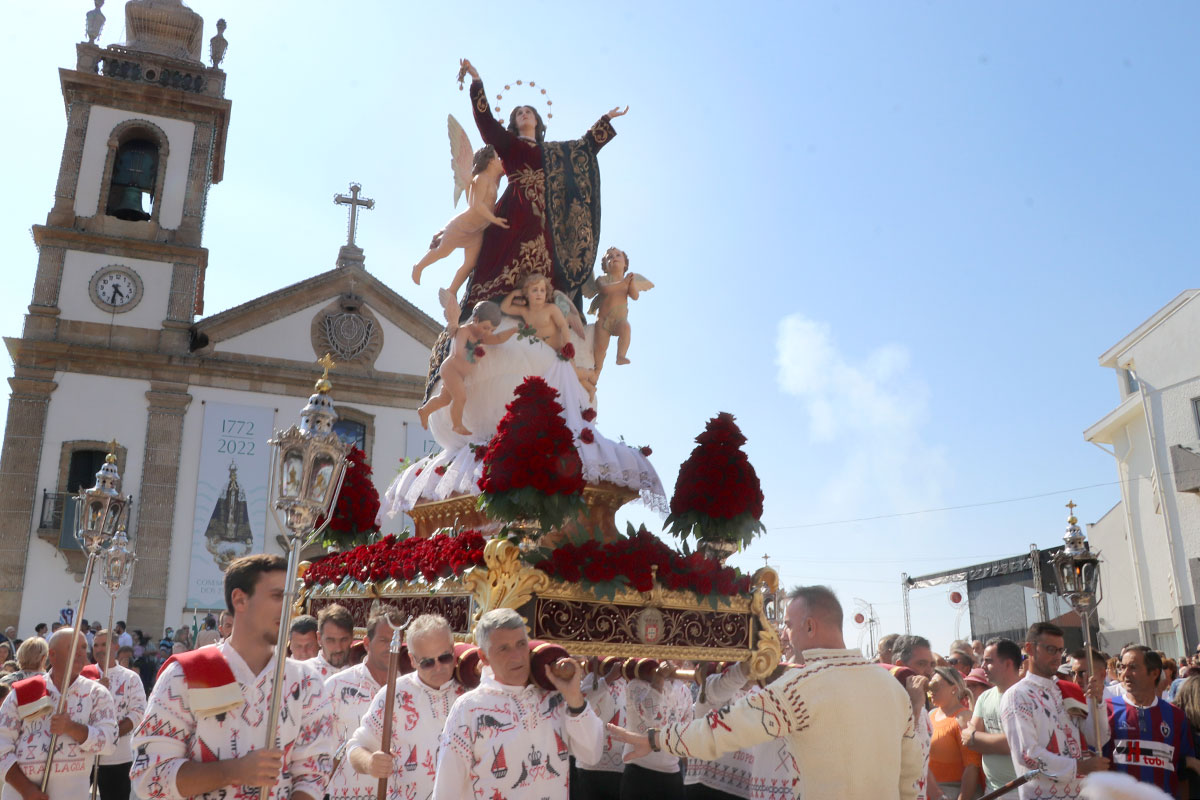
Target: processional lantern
column 1077, row 573
column 118, row 563
column 1077, row 569
column 308, row 464
column 100, row 512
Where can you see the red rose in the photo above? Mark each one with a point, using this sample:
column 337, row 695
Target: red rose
column 588, row 414
column 418, row 472
column 645, row 450
column 479, row 351
column 440, row 469
column 586, row 436
column 567, row 352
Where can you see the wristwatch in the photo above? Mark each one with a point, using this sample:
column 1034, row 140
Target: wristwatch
column 652, row 737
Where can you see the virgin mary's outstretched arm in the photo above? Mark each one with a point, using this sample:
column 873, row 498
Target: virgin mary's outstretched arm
column 490, row 129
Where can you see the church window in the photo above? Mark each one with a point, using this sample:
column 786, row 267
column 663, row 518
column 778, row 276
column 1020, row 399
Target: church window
column 131, row 192
column 351, row 432
column 1196, row 414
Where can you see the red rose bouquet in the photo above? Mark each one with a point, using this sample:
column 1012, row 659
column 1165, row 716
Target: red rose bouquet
column 531, row 470
column 357, row 506
column 717, row 496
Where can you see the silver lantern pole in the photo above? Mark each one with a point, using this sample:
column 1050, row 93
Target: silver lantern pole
column 308, row 464
column 99, row 511
column 115, row 574
column 1077, row 572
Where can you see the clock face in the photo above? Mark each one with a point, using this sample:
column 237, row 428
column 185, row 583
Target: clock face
column 116, row 289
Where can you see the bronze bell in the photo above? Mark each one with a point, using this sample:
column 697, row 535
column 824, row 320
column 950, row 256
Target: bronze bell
column 125, row 202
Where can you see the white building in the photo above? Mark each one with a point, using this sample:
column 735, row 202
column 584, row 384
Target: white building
column 1150, row 541
column 113, row 346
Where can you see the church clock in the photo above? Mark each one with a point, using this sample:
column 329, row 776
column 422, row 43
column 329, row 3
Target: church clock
column 115, row 288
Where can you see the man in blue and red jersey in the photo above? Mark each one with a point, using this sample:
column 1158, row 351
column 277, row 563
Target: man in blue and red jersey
column 1150, row 737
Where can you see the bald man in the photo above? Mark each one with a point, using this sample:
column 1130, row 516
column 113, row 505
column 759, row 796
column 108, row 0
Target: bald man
column 27, row 721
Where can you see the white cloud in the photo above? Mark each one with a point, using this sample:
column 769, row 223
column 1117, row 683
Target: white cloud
column 868, row 415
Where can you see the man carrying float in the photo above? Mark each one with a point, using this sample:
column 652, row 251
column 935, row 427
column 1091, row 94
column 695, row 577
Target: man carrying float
column 205, row 726
column 509, row 739
column 86, row 729
column 350, row 692
column 419, row 713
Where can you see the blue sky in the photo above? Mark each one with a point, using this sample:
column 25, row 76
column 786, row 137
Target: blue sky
column 891, row 238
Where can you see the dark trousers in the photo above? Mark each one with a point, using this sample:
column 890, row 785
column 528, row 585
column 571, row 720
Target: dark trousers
column 639, row 783
column 113, row 781
column 698, row 791
column 595, row 784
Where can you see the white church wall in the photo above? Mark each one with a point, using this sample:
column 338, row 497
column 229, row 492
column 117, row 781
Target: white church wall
column 400, row 351
column 101, row 121
column 77, row 411
column 289, row 337
column 1109, row 537
column 75, row 300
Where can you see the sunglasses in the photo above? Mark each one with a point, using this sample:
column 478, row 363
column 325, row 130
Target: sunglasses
column 444, row 658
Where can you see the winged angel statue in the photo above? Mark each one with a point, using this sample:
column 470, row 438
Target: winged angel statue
column 478, row 174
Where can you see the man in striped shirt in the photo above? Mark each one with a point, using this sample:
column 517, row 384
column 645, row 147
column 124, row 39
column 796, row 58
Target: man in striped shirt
column 1150, row 737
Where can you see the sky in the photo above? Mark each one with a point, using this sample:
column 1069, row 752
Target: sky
column 891, row 238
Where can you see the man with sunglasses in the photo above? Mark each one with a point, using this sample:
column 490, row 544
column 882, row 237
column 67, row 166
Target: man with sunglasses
column 423, row 701
column 1040, row 733
column 351, row 691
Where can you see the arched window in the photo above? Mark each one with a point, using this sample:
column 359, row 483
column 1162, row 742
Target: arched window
column 132, row 190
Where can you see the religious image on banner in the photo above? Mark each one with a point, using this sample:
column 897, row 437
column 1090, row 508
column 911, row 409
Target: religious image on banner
column 231, row 496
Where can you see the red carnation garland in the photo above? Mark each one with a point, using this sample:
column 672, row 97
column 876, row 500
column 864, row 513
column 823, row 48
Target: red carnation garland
column 357, row 506
column 440, row 556
column 531, row 470
column 717, row 496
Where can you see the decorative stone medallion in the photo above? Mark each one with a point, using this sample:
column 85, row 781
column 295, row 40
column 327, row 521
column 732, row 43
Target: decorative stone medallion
column 650, row 626
column 348, row 330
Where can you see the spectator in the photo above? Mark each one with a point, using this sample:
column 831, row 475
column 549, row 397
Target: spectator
column 6, row 652
column 31, row 659
column 40, row 629
column 961, row 660
column 225, row 625
column 977, row 683
column 955, row 767
column 1002, row 663
column 54, row 627
column 884, row 650
column 977, row 649
column 1151, row 739
column 914, row 653
column 124, row 637
column 1170, row 673
column 183, row 636
column 208, row 633
column 86, row 629
column 1189, row 703
column 9, row 667
column 125, row 657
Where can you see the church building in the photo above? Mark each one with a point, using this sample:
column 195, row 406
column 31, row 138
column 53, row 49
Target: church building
column 115, row 345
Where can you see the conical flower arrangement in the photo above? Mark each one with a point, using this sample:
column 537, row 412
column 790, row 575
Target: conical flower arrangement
column 717, row 496
column 531, row 470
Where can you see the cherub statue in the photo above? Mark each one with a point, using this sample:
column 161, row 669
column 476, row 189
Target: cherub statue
column 544, row 317
column 95, row 22
column 464, row 352
column 614, row 290
column 479, row 175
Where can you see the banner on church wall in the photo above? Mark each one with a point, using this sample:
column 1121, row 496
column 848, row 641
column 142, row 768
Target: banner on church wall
column 231, row 496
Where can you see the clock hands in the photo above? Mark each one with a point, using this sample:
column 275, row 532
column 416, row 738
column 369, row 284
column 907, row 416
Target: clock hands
column 116, row 292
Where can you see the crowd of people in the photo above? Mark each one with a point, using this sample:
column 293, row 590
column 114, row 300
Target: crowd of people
column 186, row 719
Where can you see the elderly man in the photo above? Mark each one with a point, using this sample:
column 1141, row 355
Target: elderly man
column 203, row 733
column 335, row 627
column 1039, row 732
column 125, row 686
column 915, row 653
column 225, row 625
column 508, row 738
column 423, row 701
column 86, row 729
column 836, row 707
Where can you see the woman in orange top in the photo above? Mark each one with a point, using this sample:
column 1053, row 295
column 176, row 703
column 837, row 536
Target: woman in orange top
column 955, row 768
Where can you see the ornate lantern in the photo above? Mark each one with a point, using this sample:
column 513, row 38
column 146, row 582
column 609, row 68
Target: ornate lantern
column 311, row 462
column 308, row 464
column 1077, row 573
column 99, row 513
column 118, row 564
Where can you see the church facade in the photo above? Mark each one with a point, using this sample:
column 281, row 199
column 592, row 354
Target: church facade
column 115, row 347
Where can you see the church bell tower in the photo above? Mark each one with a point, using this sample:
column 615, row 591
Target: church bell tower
column 119, row 282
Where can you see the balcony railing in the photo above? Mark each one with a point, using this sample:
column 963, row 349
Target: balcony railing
column 58, row 514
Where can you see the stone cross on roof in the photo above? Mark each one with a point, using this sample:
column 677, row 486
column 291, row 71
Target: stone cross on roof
column 355, row 202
